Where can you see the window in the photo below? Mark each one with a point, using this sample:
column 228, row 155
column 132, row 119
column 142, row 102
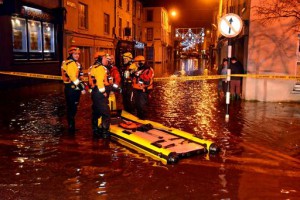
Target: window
column 120, row 3
column 134, row 31
column 83, row 16
column 149, row 15
column 35, row 36
column 120, row 27
column 32, row 39
column 150, row 52
column 128, row 6
column 106, row 23
column 139, row 10
column 134, row 8
column 19, row 34
column 149, row 35
column 48, row 30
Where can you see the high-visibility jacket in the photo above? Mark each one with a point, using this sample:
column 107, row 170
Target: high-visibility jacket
column 71, row 71
column 143, row 79
column 99, row 76
column 115, row 74
column 106, row 80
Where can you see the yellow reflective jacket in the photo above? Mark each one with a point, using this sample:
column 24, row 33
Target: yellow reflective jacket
column 98, row 73
column 70, row 71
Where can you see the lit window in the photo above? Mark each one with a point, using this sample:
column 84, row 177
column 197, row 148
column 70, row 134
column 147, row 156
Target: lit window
column 40, row 43
column 48, row 30
column 19, row 34
column 35, row 36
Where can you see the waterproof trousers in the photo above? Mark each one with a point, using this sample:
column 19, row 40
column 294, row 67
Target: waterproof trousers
column 140, row 101
column 100, row 110
column 127, row 93
column 72, row 100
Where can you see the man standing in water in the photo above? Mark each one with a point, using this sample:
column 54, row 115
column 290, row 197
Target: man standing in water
column 99, row 96
column 142, row 83
column 126, row 81
column 72, row 77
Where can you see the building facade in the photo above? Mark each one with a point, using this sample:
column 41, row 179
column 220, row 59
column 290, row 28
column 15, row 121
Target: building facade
column 263, row 49
column 31, row 37
column 90, row 25
column 158, row 38
column 39, row 33
column 137, row 33
column 273, row 49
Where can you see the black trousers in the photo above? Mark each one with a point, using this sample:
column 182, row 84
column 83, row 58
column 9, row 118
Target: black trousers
column 140, row 101
column 72, row 100
column 100, row 109
column 127, row 93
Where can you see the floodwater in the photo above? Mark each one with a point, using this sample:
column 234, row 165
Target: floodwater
column 259, row 158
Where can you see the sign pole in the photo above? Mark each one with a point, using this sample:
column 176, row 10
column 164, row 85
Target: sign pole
column 230, row 25
column 228, row 80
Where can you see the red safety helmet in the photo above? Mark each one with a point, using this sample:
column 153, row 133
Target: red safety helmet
column 73, row 49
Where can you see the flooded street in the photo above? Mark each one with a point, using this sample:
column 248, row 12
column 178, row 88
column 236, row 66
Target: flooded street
column 259, row 158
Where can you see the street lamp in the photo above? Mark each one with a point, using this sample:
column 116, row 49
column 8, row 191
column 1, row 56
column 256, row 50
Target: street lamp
column 173, row 13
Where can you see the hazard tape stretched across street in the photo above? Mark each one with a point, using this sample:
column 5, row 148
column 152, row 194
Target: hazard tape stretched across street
column 182, row 78
column 208, row 77
column 33, row 75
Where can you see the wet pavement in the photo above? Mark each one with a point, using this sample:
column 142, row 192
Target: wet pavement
column 259, row 158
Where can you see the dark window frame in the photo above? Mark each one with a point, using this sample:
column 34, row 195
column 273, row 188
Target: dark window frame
column 149, row 16
column 106, row 23
column 149, row 34
column 83, row 17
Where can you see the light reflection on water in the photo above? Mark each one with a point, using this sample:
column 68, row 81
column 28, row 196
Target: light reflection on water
column 260, row 149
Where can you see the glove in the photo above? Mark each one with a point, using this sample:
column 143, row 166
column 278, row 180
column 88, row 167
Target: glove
column 81, row 86
column 116, row 88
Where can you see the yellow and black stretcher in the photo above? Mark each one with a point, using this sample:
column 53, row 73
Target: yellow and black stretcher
column 162, row 143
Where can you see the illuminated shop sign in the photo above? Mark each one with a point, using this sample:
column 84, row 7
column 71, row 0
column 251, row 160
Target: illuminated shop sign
column 35, row 13
column 139, row 45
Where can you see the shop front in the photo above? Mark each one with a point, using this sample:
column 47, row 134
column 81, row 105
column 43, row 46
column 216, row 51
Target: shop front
column 30, row 41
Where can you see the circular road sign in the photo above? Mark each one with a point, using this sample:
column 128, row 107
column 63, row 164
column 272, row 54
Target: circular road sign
column 230, row 25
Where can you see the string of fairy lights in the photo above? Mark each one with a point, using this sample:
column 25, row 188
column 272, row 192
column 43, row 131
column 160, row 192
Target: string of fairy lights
column 189, row 37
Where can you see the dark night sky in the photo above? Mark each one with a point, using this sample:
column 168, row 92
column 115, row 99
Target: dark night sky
column 191, row 13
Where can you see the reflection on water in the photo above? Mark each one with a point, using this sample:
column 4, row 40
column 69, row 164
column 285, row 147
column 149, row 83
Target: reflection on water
column 40, row 160
column 190, row 67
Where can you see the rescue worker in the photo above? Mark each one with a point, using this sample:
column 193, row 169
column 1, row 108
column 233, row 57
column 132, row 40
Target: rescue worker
column 72, row 77
column 99, row 96
column 142, row 84
column 127, row 61
column 127, row 81
column 114, row 79
column 114, row 73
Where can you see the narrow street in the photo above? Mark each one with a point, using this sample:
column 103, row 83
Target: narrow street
column 259, row 158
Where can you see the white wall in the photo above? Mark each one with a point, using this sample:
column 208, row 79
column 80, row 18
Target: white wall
column 272, row 49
